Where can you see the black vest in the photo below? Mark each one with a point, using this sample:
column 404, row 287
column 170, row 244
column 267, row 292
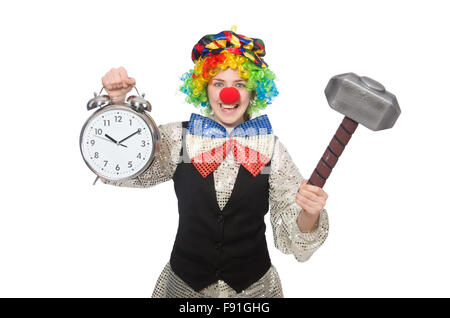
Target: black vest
column 213, row 244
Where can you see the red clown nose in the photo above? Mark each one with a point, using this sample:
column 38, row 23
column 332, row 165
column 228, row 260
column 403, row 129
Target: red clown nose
column 229, row 95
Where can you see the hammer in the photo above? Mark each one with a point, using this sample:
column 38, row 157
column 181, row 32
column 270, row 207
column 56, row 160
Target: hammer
column 362, row 101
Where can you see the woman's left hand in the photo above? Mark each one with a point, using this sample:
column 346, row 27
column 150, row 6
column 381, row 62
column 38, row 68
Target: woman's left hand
column 311, row 198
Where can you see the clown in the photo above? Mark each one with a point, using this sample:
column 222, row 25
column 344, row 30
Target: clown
column 229, row 170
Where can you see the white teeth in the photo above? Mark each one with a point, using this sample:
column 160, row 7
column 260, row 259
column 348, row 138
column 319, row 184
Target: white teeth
column 228, row 107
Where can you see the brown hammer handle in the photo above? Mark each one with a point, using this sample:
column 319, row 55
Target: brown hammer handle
column 334, row 150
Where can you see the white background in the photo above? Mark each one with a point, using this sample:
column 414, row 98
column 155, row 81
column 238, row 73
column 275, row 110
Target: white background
column 62, row 237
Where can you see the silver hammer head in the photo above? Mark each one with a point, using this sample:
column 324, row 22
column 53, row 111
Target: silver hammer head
column 364, row 100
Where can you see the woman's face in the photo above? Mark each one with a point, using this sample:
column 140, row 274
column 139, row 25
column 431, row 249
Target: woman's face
column 228, row 115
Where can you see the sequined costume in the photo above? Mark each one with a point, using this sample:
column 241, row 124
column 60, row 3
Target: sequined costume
column 284, row 180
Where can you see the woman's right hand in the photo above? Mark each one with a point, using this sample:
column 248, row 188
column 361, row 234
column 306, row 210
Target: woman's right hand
column 117, row 83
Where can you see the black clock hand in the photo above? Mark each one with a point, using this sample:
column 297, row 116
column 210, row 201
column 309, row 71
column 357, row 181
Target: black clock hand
column 110, row 138
column 113, row 140
column 136, row 132
column 102, row 138
column 106, row 139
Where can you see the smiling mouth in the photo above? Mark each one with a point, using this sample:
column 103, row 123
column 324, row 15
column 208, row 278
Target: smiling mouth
column 229, row 106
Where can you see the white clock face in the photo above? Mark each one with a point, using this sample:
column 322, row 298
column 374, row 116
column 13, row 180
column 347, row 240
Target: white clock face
column 116, row 144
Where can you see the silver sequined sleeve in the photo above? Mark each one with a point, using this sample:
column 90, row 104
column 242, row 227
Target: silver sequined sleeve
column 163, row 168
column 284, row 181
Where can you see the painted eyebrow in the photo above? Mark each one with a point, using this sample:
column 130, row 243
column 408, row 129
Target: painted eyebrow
column 221, row 80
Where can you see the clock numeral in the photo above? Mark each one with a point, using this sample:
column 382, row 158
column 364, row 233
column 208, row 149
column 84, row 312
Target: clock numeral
column 118, row 119
column 117, row 168
column 106, row 162
column 106, row 122
column 143, row 143
column 131, row 122
column 92, row 142
column 130, row 164
column 139, row 156
column 96, row 155
column 98, row 131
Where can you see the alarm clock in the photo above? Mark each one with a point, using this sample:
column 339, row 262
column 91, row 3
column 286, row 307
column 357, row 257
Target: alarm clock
column 119, row 141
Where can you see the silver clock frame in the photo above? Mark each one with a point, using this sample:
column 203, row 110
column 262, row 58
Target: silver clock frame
column 154, row 131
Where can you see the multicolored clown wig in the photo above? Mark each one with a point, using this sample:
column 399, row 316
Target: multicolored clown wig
column 216, row 52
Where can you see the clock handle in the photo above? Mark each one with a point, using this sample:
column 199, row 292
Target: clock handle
column 138, row 103
column 103, row 87
column 143, row 94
